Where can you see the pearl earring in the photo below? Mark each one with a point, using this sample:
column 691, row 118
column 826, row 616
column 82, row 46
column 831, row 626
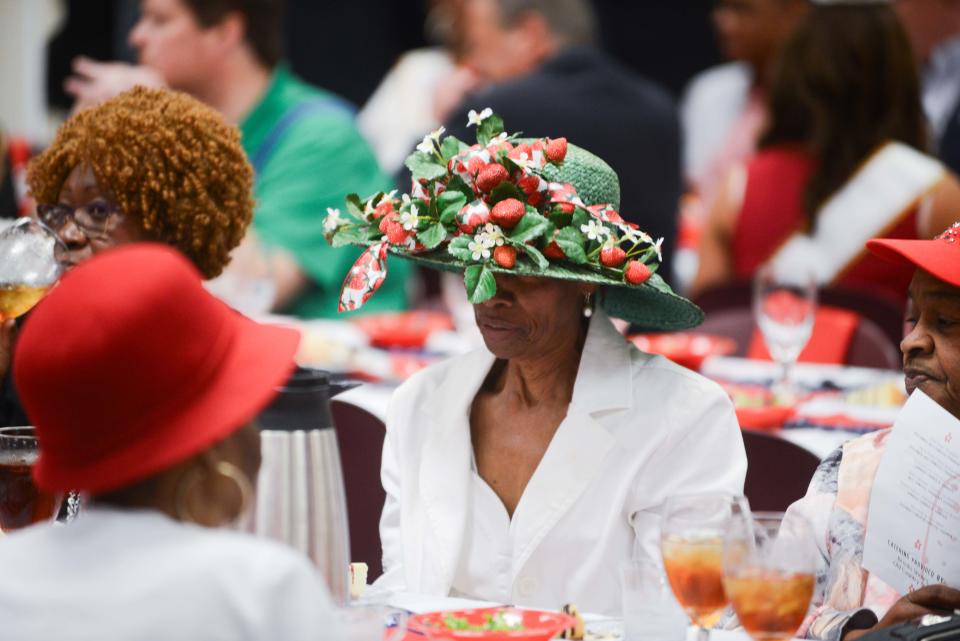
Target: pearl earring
column 587, row 306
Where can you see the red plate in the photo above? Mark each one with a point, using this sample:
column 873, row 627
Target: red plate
column 683, row 348
column 407, row 330
column 534, row 625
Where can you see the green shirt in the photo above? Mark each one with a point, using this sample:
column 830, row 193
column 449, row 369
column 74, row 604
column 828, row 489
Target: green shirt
column 318, row 160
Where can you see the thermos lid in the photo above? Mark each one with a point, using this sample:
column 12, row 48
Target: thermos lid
column 302, row 402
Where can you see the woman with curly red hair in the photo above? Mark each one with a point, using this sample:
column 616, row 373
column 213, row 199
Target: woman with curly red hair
column 149, row 164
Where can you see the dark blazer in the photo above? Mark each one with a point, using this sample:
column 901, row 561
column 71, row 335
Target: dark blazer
column 597, row 104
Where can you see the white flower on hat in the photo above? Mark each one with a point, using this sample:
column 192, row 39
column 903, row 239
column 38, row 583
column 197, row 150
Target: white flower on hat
column 522, row 161
column 430, row 141
column 409, row 218
column 595, row 230
column 494, row 234
column 635, row 236
column 499, row 138
column 474, row 118
column 659, row 247
column 480, row 247
column 333, row 220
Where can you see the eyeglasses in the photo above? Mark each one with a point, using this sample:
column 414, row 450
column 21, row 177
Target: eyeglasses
column 93, row 218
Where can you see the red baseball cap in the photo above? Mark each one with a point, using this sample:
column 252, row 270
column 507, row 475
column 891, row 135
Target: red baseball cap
column 940, row 256
column 129, row 366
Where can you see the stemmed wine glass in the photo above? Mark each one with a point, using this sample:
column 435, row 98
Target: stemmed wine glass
column 784, row 307
column 32, row 258
column 691, row 542
column 768, row 572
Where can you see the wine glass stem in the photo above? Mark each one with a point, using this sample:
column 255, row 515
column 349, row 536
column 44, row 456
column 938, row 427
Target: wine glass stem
column 703, row 634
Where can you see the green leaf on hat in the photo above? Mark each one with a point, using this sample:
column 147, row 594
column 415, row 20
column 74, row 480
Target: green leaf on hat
column 355, row 207
column 451, row 146
column 580, row 217
column 480, row 283
column 656, row 281
column 433, row 236
column 539, row 260
column 571, row 242
column 503, row 191
column 349, row 235
column 456, row 183
column 489, row 129
column 449, row 204
column 530, row 227
column 559, row 219
column 425, row 166
column 458, row 248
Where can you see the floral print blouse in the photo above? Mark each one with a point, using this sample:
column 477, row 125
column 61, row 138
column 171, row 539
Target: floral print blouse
column 836, row 505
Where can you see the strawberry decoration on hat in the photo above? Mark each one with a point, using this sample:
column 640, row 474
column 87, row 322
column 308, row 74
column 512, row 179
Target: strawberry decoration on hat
column 495, row 206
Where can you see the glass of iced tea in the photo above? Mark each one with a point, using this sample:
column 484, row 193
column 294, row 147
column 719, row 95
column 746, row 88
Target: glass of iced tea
column 32, row 258
column 768, row 573
column 691, row 542
column 22, row 503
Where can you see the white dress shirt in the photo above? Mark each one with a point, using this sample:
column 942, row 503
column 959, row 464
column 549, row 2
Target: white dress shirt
column 638, row 429
column 124, row 575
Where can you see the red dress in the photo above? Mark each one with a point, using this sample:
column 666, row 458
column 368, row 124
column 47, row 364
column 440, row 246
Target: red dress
column 772, row 212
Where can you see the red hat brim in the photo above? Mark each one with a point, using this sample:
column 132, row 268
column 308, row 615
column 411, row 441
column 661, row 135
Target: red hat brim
column 260, row 360
column 939, row 258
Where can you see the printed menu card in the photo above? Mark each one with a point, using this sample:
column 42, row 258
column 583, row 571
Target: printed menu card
column 913, row 523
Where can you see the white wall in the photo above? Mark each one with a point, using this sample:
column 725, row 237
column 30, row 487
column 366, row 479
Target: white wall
column 24, row 28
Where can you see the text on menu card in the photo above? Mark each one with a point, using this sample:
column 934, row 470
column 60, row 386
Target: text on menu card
column 913, row 523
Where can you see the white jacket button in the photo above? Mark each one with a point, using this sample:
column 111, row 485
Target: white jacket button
column 526, row 586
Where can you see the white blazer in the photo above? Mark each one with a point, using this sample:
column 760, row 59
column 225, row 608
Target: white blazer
column 639, row 428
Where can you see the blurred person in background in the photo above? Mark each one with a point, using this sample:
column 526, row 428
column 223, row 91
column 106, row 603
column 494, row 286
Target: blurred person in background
column 419, row 92
column 839, row 163
column 723, row 110
column 15, row 153
column 149, row 164
column 933, row 27
column 302, row 141
column 144, row 401
column 545, row 74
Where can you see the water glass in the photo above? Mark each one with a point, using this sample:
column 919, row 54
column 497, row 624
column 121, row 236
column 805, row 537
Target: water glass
column 649, row 608
column 246, row 283
column 784, row 307
column 372, row 622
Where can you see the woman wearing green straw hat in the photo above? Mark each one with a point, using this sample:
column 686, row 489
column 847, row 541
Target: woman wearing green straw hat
column 525, row 472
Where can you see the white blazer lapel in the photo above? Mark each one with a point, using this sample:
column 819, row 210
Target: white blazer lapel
column 575, row 456
column 445, row 467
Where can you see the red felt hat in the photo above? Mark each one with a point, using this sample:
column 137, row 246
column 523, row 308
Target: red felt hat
column 940, row 256
column 130, row 366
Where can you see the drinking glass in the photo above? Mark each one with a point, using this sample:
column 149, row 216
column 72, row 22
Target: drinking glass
column 32, row 258
column 372, row 622
column 649, row 609
column 768, row 573
column 784, row 307
column 691, row 542
column 246, row 283
column 22, row 503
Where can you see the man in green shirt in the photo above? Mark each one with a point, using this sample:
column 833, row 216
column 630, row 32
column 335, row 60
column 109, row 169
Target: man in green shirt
column 302, row 141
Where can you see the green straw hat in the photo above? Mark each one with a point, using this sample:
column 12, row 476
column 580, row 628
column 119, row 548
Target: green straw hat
column 525, row 207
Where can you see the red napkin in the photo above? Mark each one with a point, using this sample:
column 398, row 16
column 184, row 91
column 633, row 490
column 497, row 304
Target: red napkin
column 833, row 330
